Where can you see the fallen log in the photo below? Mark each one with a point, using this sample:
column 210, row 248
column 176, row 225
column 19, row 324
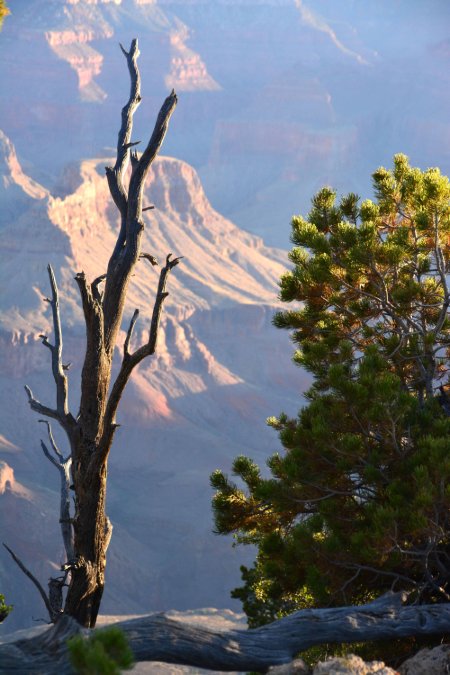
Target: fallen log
column 159, row 638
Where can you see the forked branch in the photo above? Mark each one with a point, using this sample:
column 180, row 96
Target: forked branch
column 127, row 249
column 59, row 370
column 160, row 297
column 131, row 360
column 116, row 174
column 149, row 154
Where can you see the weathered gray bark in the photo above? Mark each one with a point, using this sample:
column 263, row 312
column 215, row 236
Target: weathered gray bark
column 158, row 638
column 64, row 465
column 91, row 433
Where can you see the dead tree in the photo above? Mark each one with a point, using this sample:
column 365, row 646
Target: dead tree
column 159, row 638
column 90, row 433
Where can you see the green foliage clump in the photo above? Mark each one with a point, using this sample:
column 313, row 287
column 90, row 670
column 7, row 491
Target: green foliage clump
column 4, row 11
column 105, row 652
column 358, row 502
column 4, row 608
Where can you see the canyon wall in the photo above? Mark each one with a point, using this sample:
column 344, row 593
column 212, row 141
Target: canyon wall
column 277, row 97
column 220, row 371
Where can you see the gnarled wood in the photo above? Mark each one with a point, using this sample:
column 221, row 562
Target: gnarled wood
column 158, row 638
column 90, row 435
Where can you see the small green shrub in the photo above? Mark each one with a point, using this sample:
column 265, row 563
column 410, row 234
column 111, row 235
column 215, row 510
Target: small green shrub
column 105, row 652
column 4, row 608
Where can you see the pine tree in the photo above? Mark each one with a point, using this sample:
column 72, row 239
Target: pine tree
column 358, row 502
column 4, row 11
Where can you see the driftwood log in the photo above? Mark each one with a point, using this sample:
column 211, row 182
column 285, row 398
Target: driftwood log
column 158, row 638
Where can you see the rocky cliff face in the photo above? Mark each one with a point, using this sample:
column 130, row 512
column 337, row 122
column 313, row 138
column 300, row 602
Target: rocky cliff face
column 187, row 70
column 278, row 96
column 221, row 369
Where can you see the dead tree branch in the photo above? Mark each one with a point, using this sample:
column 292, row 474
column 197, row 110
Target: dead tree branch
column 64, row 465
column 115, row 175
column 31, row 576
column 130, row 361
column 61, row 413
column 159, row 638
column 58, row 372
column 38, row 407
column 54, row 600
column 127, row 248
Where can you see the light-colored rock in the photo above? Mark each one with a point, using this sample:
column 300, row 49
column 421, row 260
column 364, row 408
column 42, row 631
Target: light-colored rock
column 9, row 483
column 351, row 665
column 296, row 667
column 428, row 662
column 187, row 70
column 6, row 477
column 87, row 63
column 15, row 185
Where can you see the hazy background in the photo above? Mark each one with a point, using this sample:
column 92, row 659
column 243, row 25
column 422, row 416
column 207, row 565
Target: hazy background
column 276, row 96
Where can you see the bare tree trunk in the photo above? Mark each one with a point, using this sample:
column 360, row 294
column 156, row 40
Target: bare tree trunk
column 90, row 544
column 159, row 638
column 91, row 433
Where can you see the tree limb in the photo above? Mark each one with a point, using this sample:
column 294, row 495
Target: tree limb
column 64, row 466
column 87, row 297
column 126, row 252
column 62, row 414
column 94, row 286
column 147, row 157
column 115, row 175
column 58, row 372
column 160, row 297
column 38, row 407
column 126, row 345
column 55, row 448
column 130, row 361
column 159, row 638
column 31, row 576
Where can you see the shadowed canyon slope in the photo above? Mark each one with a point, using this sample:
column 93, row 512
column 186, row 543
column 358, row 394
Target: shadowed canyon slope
column 221, row 369
column 277, row 97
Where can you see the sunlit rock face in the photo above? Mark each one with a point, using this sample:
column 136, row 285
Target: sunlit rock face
column 16, row 188
column 187, row 71
column 220, row 371
column 78, row 26
column 6, row 477
column 85, row 21
column 277, row 97
column 87, row 63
